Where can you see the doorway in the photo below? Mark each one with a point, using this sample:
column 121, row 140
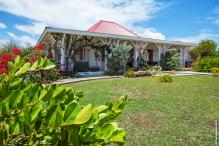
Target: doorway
column 150, row 56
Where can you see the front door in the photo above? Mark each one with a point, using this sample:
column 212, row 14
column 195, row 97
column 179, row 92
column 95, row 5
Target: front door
column 150, row 57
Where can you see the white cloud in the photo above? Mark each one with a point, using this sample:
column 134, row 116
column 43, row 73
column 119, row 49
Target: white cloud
column 2, row 42
column 23, row 40
column 215, row 19
column 203, row 35
column 150, row 33
column 81, row 14
column 33, row 29
column 2, row 25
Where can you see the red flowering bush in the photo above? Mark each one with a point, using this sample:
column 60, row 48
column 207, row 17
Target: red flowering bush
column 17, row 51
column 6, row 56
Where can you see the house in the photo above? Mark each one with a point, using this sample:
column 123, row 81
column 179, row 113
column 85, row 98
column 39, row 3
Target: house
column 86, row 50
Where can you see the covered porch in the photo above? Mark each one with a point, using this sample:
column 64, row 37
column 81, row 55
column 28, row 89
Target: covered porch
column 84, row 51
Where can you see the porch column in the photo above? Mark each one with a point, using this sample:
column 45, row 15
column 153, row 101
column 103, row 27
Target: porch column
column 136, row 57
column 162, row 50
column 53, row 51
column 108, row 42
column 63, row 54
column 182, row 57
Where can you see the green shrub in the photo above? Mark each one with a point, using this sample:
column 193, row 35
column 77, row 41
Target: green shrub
column 165, row 78
column 44, row 76
column 129, row 74
column 206, row 64
column 36, row 114
column 170, row 61
column 118, row 58
column 215, row 70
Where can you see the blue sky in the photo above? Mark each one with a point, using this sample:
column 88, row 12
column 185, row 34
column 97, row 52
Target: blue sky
column 182, row 20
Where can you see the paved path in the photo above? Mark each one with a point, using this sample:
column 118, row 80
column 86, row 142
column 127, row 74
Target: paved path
column 82, row 79
column 188, row 73
column 75, row 80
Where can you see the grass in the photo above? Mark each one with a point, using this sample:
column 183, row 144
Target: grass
column 179, row 113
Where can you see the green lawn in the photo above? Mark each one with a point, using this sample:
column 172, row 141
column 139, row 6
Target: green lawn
column 179, row 113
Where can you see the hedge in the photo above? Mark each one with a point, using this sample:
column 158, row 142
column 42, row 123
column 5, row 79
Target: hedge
column 206, row 64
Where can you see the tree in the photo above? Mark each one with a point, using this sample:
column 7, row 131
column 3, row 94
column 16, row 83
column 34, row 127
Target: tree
column 118, row 58
column 205, row 48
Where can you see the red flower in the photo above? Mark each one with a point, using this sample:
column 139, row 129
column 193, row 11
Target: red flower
column 3, row 63
column 17, row 51
column 3, row 71
column 39, row 47
column 7, row 57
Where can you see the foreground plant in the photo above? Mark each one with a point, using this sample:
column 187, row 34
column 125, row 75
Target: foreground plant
column 36, row 114
column 165, row 78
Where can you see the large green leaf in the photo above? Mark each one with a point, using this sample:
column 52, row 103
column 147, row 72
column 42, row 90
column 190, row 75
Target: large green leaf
column 48, row 65
column 46, row 94
column 27, row 117
column 105, row 132
column 84, row 115
column 16, row 128
column 16, row 83
column 35, row 112
column 54, row 116
column 71, row 112
column 15, row 98
column 23, row 69
column 118, row 136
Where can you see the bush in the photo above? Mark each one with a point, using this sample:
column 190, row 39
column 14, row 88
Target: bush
column 117, row 59
column 205, row 48
column 165, row 78
column 44, row 76
column 170, row 61
column 36, row 114
column 206, row 64
column 215, row 70
column 129, row 74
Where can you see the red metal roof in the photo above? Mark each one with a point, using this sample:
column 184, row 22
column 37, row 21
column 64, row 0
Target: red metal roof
column 110, row 28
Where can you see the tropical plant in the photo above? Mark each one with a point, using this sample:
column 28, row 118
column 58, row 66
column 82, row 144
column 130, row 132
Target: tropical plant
column 165, row 78
column 170, row 61
column 36, row 114
column 204, row 49
column 206, row 64
column 118, row 57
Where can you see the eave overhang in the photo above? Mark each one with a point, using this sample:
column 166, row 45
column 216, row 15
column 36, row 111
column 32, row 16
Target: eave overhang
column 113, row 36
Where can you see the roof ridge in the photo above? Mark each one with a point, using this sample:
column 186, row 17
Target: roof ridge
column 95, row 26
